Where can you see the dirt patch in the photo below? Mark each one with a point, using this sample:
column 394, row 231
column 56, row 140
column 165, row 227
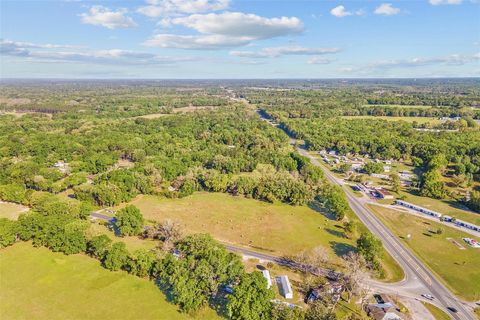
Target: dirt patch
column 455, row 242
column 11, row 102
column 177, row 111
column 191, row 108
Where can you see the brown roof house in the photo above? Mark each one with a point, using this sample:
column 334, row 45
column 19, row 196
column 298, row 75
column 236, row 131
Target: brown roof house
column 383, row 310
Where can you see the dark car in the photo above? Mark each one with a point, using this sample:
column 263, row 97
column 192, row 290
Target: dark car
column 452, row 309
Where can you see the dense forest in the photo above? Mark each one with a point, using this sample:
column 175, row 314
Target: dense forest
column 326, row 119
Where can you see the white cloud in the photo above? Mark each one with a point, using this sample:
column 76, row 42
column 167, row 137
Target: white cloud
column 453, row 59
column 450, row 60
column 102, row 16
column 51, row 53
column 158, row 8
column 318, row 60
column 439, row 2
column 201, row 42
column 386, row 9
column 228, row 29
column 340, row 12
column 275, row 52
column 238, row 24
column 21, row 48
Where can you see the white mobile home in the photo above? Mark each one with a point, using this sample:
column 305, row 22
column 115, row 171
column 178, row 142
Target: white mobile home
column 418, row 208
column 266, row 274
column 285, row 287
column 467, row 225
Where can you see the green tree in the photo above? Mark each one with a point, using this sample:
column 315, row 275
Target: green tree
column 141, row 263
column 395, row 182
column 335, row 200
column 98, row 246
column 373, row 167
column 129, row 221
column 318, row 311
column 281, row 311
column 204, row 266
column 8, row 232
column 350, row 228
column 432, row 186
column 250, row 298
column 117, row 257
column 369, row 246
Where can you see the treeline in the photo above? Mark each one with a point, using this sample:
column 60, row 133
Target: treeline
column 176, row 156
column 398, row 111
column 432, row 152
column 351, row 100
column 102, row 99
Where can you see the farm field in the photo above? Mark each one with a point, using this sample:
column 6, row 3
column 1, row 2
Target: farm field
column 36, row 284
column 443, row 207
column 277, row 229
column 445, row 254
column 419, row 120
column 11, row 210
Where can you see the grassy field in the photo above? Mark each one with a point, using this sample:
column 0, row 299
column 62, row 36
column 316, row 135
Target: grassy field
column 437, row 313
column 133, row 242
column 444, row 207
column 11, row 210
column 446, row 254
column 278, row 229
column 419, row 120
column 39, row 284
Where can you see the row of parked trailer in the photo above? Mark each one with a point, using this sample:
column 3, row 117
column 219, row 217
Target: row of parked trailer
column 457, row 222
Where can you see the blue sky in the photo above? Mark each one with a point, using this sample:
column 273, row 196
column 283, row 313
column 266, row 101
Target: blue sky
column 239, row 39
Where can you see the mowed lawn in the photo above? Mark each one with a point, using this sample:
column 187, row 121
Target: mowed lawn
column 11, row 210
column 419, row 120
column 39, row 284
column 278, row 229
column 459, row 268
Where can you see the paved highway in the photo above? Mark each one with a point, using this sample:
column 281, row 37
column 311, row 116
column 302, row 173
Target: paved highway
column 418, row 279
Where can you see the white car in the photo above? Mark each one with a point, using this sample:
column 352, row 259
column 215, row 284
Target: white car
column 428, row 296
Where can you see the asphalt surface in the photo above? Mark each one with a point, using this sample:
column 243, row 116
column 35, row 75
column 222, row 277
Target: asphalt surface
column 98, row 215
column 418, row 279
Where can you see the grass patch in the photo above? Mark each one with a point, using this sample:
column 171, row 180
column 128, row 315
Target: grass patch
column 393, row 271
column 11, row 210
column 39, row 284
column 436, row 312
column 133, row 242
column 277, row 229
column 457, row 268
column 419, row 120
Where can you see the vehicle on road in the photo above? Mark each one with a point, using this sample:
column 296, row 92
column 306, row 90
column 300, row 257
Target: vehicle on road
column 452, row 309
column 428, row 296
